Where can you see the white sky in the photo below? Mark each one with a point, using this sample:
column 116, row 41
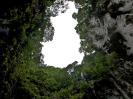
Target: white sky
column 64, row 48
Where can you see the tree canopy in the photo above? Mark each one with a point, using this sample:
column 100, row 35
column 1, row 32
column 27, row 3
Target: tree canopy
column 106, row 70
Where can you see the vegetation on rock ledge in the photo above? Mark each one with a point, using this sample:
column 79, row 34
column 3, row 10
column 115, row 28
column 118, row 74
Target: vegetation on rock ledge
column 104, row 74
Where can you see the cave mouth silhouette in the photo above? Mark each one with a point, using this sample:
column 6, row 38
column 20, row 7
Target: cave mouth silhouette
column 64, row 48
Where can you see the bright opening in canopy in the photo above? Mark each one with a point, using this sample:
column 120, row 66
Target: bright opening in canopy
column 64, row 48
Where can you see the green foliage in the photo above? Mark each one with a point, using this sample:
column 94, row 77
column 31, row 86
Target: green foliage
column 77, row 96
column 50, row 82
column 41, row 82
column 98, row 65
column 20, row 41
column 23, row 74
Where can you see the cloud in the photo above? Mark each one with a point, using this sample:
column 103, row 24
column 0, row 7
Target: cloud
column 64, row 48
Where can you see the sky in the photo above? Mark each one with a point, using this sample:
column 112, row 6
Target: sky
column 64, row 48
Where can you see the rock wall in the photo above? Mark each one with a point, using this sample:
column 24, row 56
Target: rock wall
column 111, row 24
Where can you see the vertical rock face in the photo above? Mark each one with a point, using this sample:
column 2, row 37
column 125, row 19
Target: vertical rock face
column 108, row 26
column 111, row 24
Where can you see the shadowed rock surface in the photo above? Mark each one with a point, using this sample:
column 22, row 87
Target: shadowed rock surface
column 105, row 28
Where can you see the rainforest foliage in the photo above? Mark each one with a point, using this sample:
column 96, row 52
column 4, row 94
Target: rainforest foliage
column 104, row 74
